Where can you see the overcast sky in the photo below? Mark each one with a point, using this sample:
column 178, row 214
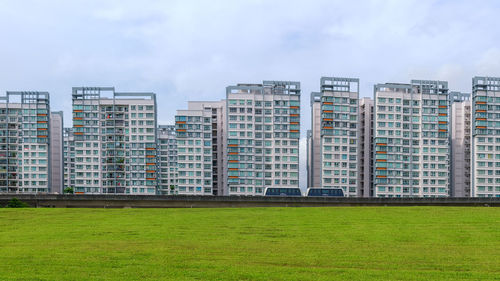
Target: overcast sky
column 191, row 50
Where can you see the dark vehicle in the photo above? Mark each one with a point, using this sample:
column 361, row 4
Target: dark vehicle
column 283, row 191
column 328, row 192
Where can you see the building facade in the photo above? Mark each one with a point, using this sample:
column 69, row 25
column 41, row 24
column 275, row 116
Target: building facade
column 309, row 161
column 262, row 137
column 460, row 129
column 56, row 163
column 335, row 135
column 485, row 170
column 314, row 143
column 115, row 141
column 366, row 147
column 199, row 138
column 69, row 157
column 167, row 160
column 24, row 142
column 411, row 138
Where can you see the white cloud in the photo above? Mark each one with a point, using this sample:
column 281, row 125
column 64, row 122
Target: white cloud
column 489, row 63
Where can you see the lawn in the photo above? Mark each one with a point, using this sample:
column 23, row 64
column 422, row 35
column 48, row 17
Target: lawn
column 341, row 243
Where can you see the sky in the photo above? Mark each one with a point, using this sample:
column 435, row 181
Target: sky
column 191, row 50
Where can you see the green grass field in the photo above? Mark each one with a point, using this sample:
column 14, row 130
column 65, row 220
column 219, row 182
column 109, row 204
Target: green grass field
column 345, row 243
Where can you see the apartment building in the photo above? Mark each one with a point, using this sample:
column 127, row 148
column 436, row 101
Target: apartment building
column 335, row 135
column 56, row 163
column 115, row 141
column 262, row 139
column 460, row 116
column 69, row 157
column 411, row 139
column 485, row 170
column 167, row 160
column 200, row 131
column 366, row 147
column 24, row 142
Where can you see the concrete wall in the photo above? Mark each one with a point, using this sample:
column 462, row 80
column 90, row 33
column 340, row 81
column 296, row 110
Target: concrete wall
column 187, row 201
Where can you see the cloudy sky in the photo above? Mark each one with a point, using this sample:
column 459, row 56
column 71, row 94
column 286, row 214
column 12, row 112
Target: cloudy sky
column 191, row 50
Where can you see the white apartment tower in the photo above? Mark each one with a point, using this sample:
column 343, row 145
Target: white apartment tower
column 167, row 160
column 115, row 141
column 366, row 147
column 411, row 139
column 460, row 143
column 485, row 170
column 262, row 137
column 24, row 142
column 200, row 131
column 335, row 136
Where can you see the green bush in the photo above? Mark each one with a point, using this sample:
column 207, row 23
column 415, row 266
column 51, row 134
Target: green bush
column 68, row 190
column 16, row 203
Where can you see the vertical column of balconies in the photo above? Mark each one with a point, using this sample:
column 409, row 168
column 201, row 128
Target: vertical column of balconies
column 13, row 127
column 294, row 119
column 151, row 164
column 113, row 147
column 9, row 138
column 167, row 163
column 233, row 167
column 292, row 169
column 69, row 157
column 87, row 139
column 181, row 127
column 479, row 136
column 327, row 127
column 42, row 139
column 434, row 144
column 467, row 148
column 215, row 152
column 4, row 150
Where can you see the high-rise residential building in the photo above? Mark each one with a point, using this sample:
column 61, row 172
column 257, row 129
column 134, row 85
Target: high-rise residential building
column 56, row 152
column 460, row 129
column 69, row 157
column 24, row 142
column 485, row 170
column 115, row 141
column 262, row 138
column 167, row 160
column 411, row 139
column 199, row 155
column 366, row 147
column 335, row 135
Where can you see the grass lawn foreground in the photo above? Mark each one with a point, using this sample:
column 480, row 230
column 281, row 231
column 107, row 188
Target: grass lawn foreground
column 333, row 243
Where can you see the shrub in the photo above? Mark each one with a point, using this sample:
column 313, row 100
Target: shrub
column 16, row 203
